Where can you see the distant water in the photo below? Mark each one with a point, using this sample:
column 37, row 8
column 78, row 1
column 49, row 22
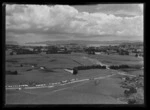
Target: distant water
column 34, row 44
column 98, row 45
column 95, row 45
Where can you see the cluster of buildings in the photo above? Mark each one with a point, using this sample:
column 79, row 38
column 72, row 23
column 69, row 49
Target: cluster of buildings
column 135, row 49
column 49, row 49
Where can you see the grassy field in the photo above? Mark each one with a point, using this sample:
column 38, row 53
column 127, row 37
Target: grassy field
column 57, row 63
column 105, row 92
column 118, row 59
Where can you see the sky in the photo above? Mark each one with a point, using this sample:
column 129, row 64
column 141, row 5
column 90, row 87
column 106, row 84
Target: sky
column 100, row 22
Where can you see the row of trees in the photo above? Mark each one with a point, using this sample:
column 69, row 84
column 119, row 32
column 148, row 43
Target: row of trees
column 52, row 49
column 107, row 50
column 118, row 66
column 36, row 50
column 23, row 51
column 90, row 50
column 123, row 52
column 90, row 67
column 75, row 69
column 11, row 72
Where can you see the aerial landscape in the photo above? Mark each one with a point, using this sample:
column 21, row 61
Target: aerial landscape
column 74, row 54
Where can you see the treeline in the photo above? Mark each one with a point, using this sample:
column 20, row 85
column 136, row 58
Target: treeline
column 75, row 69
column 11, row 72
column 23, row 51
column 90, row 67
column 118, row 66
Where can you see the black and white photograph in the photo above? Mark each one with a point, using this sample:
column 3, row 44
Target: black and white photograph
column 74, row 54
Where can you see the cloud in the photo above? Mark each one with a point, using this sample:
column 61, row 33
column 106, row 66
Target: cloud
column 39, row 16
column 100, row 23
column 121, row 9
column 66, row 19
column 141, row 7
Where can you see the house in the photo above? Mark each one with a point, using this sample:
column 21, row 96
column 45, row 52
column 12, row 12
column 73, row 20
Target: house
column 29, row 48
column 139, row 50
column 44, row 50
column 42, row 68
column 97, row 53
column 132, row 54
column 63, row 50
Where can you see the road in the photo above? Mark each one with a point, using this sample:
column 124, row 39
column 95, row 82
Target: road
column 94, row 61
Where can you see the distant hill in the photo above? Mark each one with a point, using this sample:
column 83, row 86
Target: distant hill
column 12, row 42
column 84, row 42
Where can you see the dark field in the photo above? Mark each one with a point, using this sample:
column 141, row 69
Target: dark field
column 103, row 91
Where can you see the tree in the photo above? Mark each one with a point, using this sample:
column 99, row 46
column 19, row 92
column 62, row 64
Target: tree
column 131, row 101
column 52, row 49
column 21, row 65
column 133, row 90
column 126, row 93
column 15, row 72
column 126, row 53
column 75, row 71
column 11, row 53
column 136, row 55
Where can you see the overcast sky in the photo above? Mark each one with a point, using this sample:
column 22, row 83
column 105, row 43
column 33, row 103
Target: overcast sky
column 34, row 23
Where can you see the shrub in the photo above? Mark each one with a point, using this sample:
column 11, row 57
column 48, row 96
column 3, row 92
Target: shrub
column 133, row 90
column 15, row 72
column 131, row 101
column 75, row 71
column 126, row 93
column 127, row 78
column 136, row 55
column 21, row 65
column 11, row 53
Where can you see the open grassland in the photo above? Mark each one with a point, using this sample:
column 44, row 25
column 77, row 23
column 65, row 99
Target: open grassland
column 118, row 59
column 104, row 91
column 55, row 65
column 49, row 77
